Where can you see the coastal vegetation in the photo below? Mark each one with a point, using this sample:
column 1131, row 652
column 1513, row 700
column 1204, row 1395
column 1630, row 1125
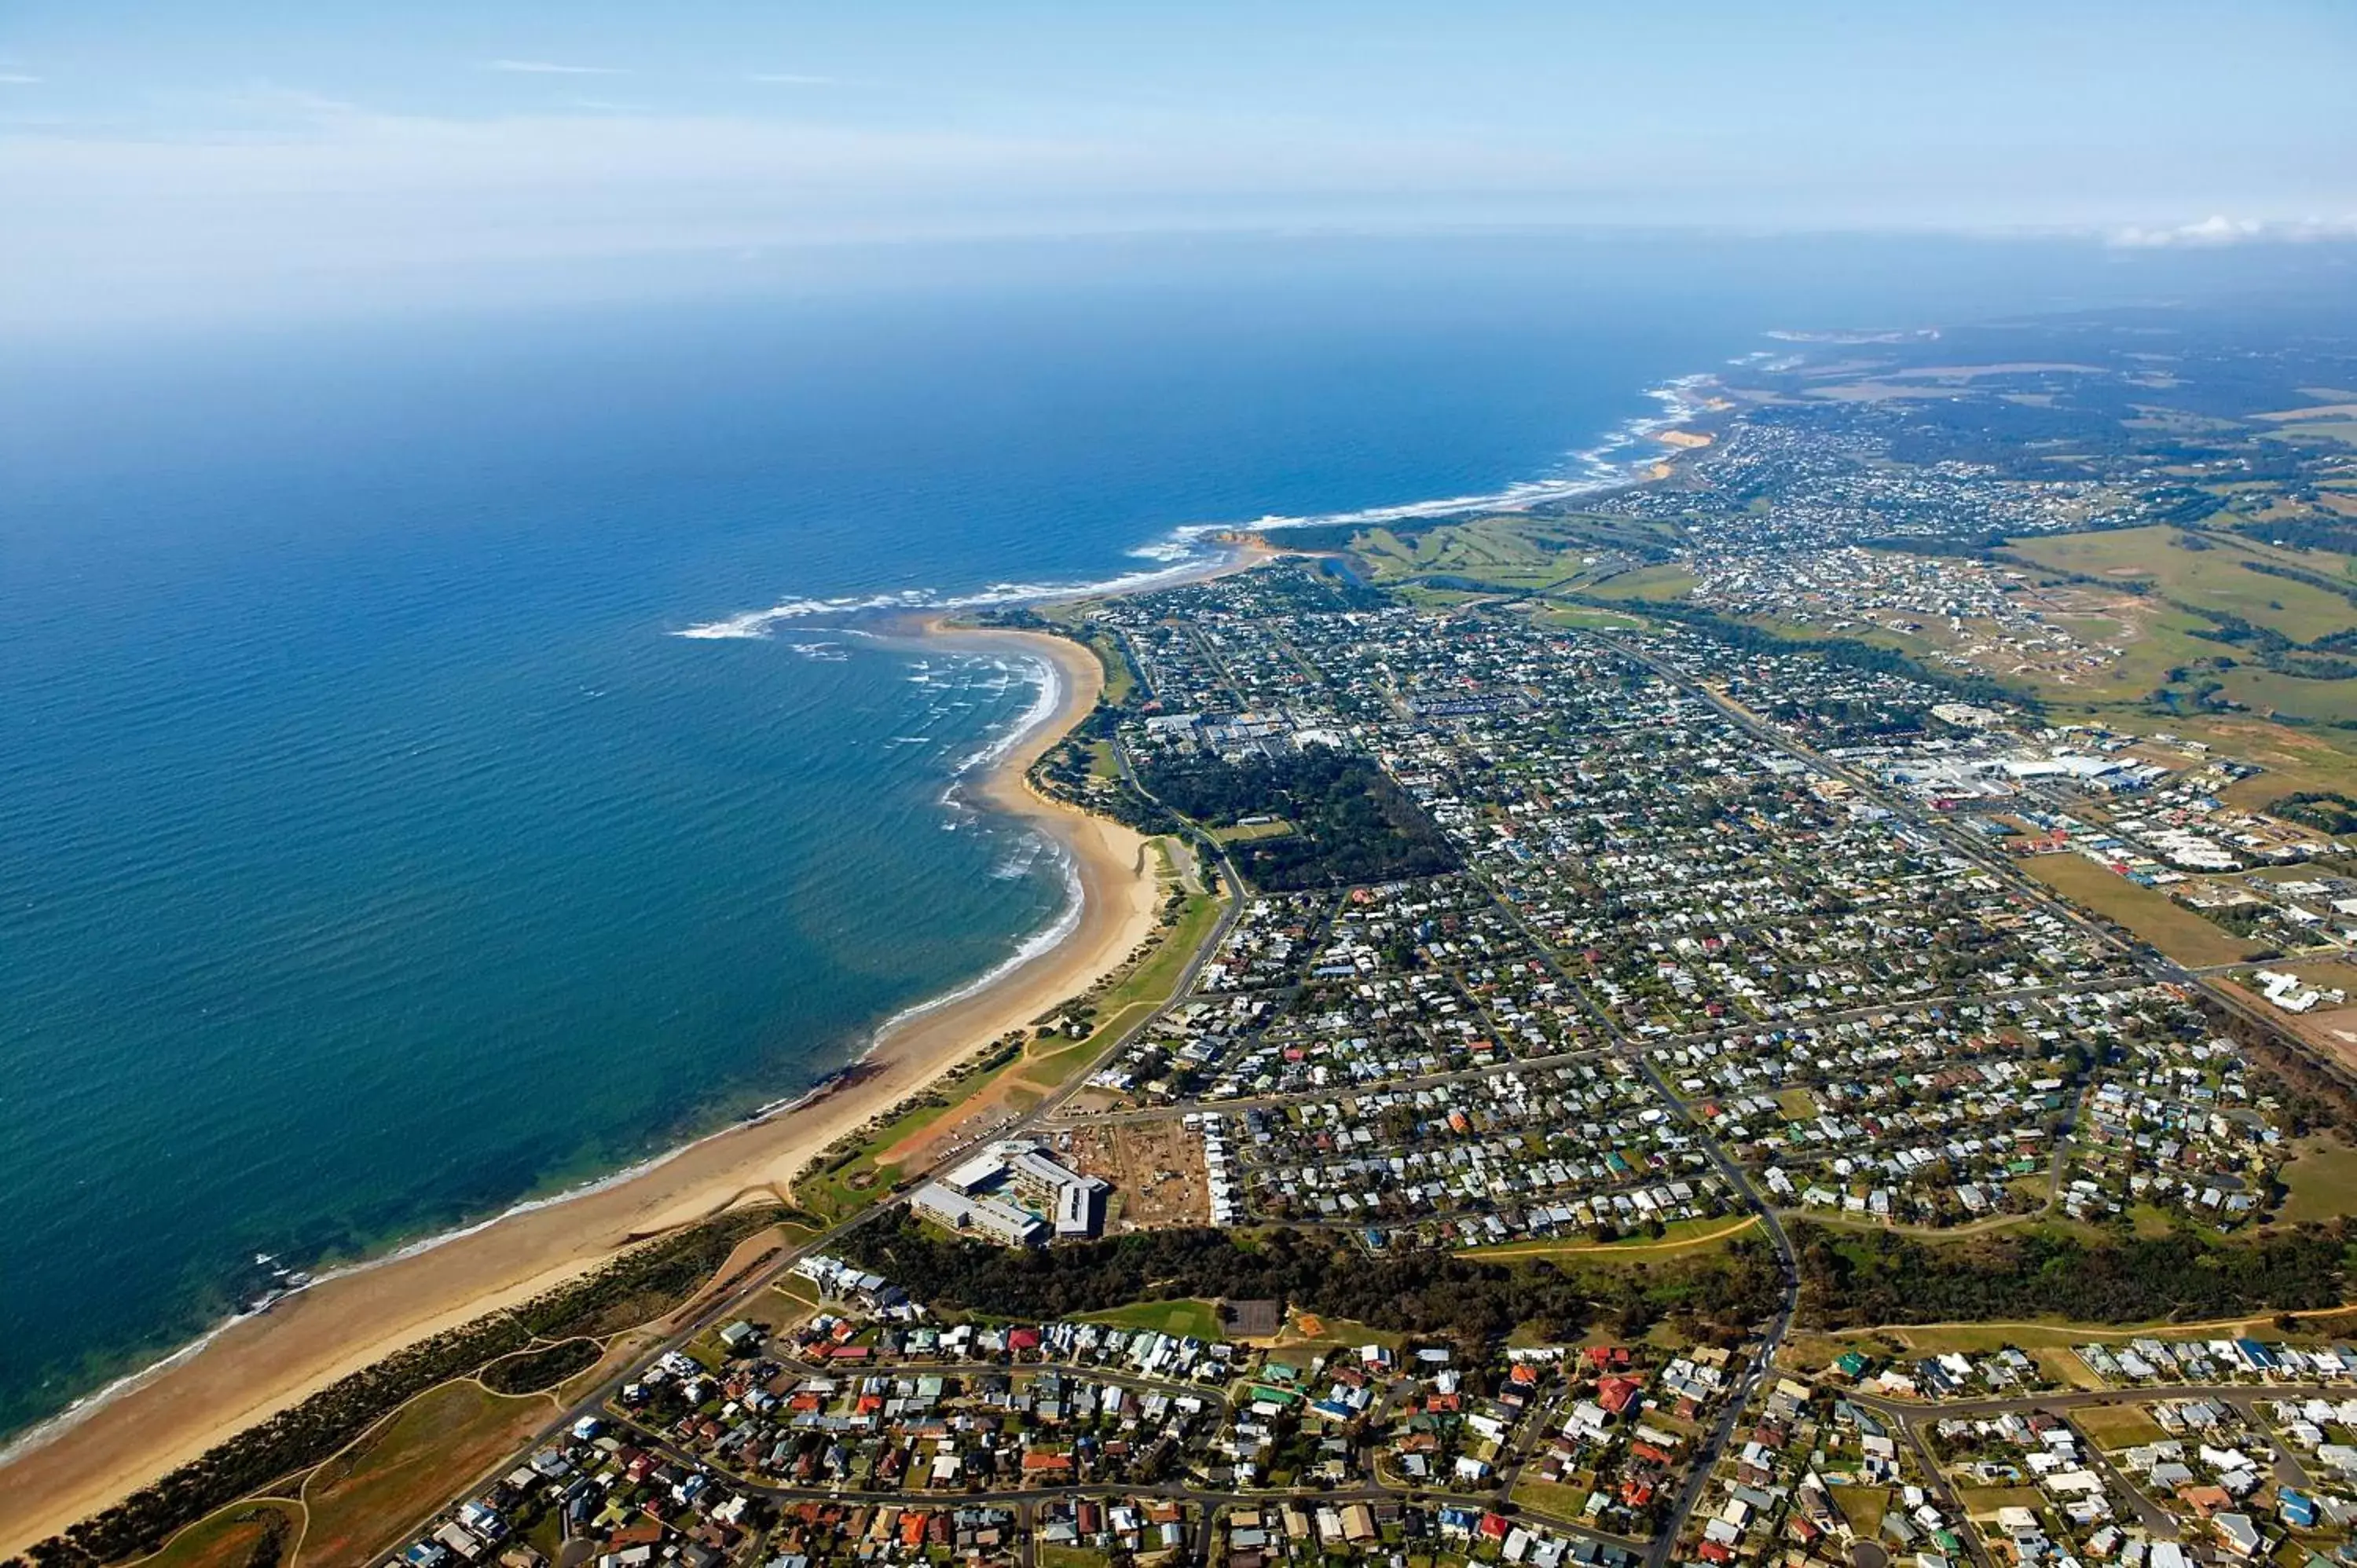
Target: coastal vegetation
column 1410, row 1292
column 1857, row 1278
column 642, row 1283
column 1351, row 823
column 534, row 1371
column 246, row 1535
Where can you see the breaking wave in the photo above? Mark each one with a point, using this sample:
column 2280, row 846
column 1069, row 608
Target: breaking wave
column 1193, row 550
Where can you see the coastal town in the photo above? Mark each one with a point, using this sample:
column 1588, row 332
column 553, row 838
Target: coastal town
column 1687, row 1044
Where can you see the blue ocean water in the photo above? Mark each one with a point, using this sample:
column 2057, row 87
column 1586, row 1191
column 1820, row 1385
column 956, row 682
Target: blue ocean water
column 374, row 855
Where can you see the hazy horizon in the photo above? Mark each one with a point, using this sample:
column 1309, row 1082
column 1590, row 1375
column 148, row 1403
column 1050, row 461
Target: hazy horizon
column 231, row 161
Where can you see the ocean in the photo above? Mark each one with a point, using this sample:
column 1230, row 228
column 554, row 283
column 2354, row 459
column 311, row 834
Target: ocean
column 438, row 761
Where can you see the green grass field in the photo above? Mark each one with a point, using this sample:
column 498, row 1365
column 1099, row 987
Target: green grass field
column 1509, row 552
column 2169, row 926
column 1647, row 584
column 1585, row 618
column 2271, row 691
column 1071, row 1557
column 1245, row 833
column 1982, row 1502
column 1189, row 1318
column 1552, row 1499
column 1863, row 1507
column 1678, row 1236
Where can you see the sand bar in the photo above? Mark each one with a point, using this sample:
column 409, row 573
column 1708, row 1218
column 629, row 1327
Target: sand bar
column 259, row 1366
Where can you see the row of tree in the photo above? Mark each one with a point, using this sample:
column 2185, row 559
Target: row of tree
column 1858, row 1282
column 1407, row 1291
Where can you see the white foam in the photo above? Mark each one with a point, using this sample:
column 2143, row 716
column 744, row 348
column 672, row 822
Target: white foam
column 1186, row 551
column 1067, row 920
column 1188, row 561
column 1163, row 550
column 1587, row 471
column 1049, row 681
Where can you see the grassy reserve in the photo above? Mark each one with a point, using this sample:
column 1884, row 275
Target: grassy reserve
column 1131, row 999
column 1678, row 1236
column 361, row 1500
column 1187, row 1317
column 2177, row 931
column 2320, row 1181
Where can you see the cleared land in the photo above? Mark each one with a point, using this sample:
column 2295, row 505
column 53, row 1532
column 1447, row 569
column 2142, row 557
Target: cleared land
column 2112, row 1426
column 1982, row 1502
column 1863, row 1507
column 1553, row 1498
column 1157, row 1168
column 2331, row 1029
column 2177, row 931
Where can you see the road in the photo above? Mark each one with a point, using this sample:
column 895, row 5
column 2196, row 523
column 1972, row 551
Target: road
column 1910, row 1416
column 1763, row 1349
column 1761, row 1352
column 725, row 1306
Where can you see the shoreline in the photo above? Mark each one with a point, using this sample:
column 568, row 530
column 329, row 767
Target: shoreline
column 250, row 1368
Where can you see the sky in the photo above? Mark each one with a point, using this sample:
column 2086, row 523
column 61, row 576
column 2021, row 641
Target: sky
column 209, row 155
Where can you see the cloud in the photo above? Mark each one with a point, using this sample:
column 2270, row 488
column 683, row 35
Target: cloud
column 549, row 68
column 17, row 79
column 2220, row 230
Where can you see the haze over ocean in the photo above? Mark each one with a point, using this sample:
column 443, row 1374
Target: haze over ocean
column 372, row 855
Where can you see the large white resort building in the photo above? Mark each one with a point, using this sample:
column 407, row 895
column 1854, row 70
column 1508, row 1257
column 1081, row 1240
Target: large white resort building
column 1016, row 1194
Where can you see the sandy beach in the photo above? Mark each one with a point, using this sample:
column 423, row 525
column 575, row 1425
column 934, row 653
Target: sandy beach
column 256, row 1367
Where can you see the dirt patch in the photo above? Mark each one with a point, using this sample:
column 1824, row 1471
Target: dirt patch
column 1156, row 1167
column 2330, row 1030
